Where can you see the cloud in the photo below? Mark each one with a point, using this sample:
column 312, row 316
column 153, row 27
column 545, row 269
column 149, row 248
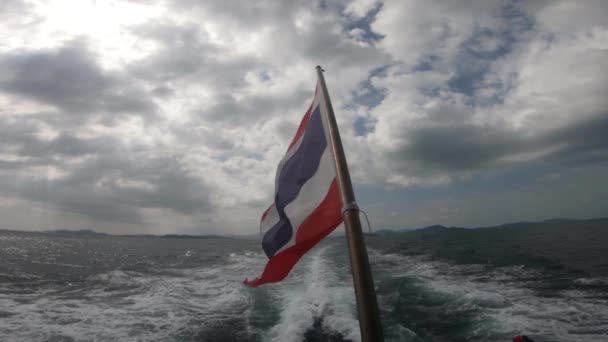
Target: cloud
column 171, row 115
column 69, row 79
column 456, row 148
column 471, row 93
column 15, row 13
column 582, row 143
column 98, row 177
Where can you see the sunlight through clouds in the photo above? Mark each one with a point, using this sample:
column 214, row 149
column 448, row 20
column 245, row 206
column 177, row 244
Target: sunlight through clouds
column 106, row 24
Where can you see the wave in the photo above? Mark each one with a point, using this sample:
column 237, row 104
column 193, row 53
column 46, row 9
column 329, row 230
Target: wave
column 497, row 302
column 130, row 305
column 316, row 303
column 191, row 293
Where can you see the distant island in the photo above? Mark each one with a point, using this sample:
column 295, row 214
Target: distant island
column 438, row 227
column 555, row 222
column 90, row 232
column 566, row 246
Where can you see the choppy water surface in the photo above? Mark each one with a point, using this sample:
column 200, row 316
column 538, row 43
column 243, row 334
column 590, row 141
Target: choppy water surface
column 435, row 285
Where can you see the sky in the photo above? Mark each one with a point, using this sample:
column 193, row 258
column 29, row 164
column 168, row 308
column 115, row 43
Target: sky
column 171, row 116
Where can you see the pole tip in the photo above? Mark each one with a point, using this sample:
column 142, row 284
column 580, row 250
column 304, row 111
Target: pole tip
column 319, row 68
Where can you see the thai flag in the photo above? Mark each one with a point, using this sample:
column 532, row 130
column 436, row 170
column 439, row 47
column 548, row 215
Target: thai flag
column 307, row 205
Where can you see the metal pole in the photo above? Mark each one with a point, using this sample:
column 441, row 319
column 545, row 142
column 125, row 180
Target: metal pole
column 367, row 304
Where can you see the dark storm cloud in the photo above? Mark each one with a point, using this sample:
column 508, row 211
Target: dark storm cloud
column 185, row 53
column 167, row 184
column 16, row 132
column 21, row 137
column 79, row 198
column 182, row 51
column 230, row 111
column 99, row 177
column 70, row 79
column 585, row 142
column 115, row 187
column 69, row 145
column 456, row 148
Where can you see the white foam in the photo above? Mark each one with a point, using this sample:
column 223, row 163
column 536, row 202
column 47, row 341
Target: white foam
column 502, row 296
column 130, row 306
column 316, row 294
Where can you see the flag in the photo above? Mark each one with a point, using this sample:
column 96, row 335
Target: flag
column 307, row 205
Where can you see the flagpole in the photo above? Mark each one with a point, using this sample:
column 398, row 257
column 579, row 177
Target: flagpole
column 367, row 304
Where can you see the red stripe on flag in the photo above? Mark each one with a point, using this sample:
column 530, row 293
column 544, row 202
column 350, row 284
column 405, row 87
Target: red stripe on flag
column 328, row 213
column 323, row 220
column 266, row 212
column 302, row 128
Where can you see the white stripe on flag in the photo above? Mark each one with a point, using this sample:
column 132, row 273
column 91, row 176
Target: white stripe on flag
column 269, row 221
column 311, row 195
column 295, row 147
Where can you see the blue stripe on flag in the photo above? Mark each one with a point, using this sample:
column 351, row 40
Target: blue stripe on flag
column 295, row 173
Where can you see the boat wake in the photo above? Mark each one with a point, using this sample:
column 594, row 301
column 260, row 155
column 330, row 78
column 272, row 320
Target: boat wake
column 110, row 289
column 316, row 304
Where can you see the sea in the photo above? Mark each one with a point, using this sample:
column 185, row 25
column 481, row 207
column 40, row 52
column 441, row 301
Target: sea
column 546, row 280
